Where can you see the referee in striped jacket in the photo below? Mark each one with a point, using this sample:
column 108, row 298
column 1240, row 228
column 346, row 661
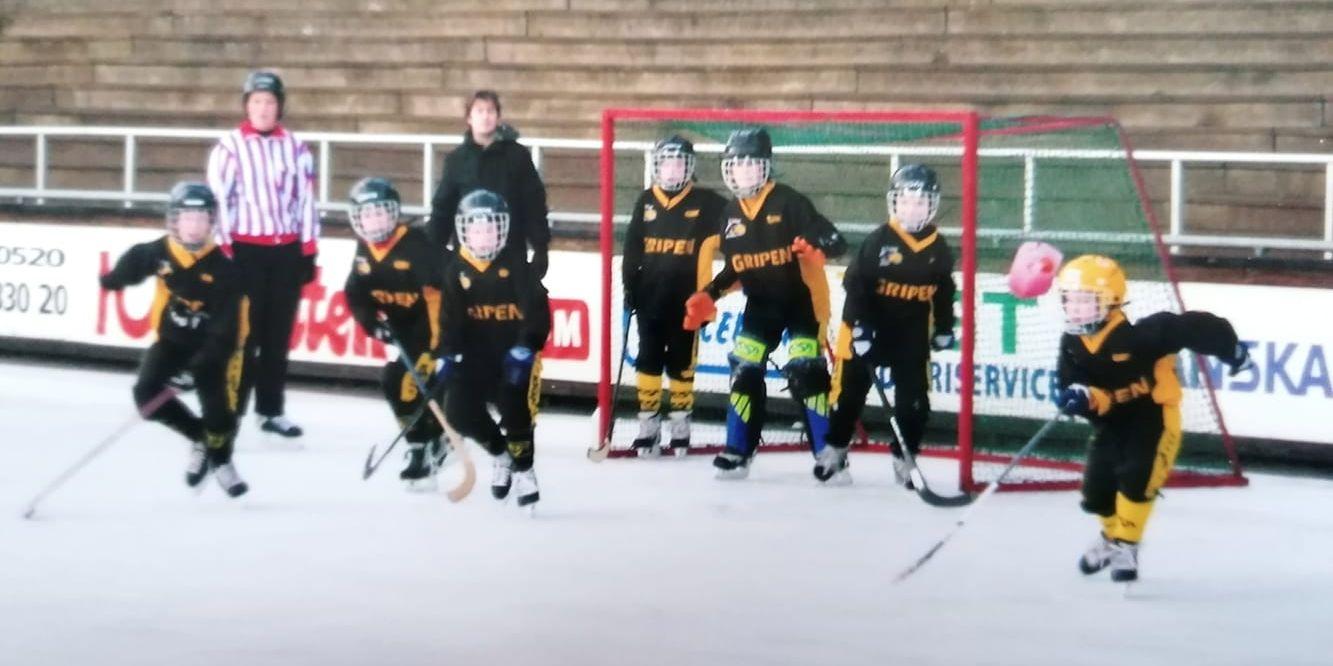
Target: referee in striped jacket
column 264, row 180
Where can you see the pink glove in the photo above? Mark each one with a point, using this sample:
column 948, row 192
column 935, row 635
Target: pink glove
column 1033, row 269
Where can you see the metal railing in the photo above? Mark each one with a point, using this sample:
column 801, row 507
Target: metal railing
column 1177, row 237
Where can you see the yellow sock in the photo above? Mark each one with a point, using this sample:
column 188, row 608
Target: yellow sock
column 681, row 395
column 1130, row 517
column 650, row 392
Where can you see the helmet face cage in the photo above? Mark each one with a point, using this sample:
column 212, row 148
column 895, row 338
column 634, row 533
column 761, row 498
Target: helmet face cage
column 374, row 221
column 482, row 232
column 1085, row 311
column 673, row 167
column 754, row 172
column 191, row 226
column 913, row 205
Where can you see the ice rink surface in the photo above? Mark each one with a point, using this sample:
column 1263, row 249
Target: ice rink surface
column 626, row 563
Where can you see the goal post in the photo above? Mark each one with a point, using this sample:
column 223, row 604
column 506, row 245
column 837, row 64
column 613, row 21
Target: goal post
column 1070, row 181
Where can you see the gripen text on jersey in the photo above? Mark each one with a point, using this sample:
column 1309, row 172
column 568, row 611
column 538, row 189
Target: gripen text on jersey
column 678, row 246
column 756, row 260
column 497, row 312
column 906, row 292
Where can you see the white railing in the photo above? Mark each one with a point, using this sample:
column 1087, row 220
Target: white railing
column 1177, row 161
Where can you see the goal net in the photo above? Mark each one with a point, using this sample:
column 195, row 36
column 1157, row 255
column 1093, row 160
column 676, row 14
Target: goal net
column 1068, row 181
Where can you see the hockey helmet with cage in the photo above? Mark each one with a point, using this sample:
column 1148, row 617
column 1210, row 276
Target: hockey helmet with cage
column 192, row 231
column 482, row 224
column 747, row 161
column 1091, row 287
column 374, row 209
column 673, row 163
column 914, row 196
column 265, row 81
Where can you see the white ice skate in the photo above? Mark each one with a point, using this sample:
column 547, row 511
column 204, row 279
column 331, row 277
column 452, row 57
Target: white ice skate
column 1124, row 562
column 831, row 466
column 731, row 466
column 649, row 440
column 230, row 480
column 902, row 473
column 502, row 475
column 1097, row 556
column 196, row 469
column 525, row 490
column 679, row 424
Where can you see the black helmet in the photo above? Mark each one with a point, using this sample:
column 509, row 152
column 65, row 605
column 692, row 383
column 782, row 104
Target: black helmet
column 190, row 196
column 749, row 142
column 265, row 81
column 921, row 181
column 482, row 224
column 750, row 146
column 671, row 148
column 370, row 194
column 915, row 176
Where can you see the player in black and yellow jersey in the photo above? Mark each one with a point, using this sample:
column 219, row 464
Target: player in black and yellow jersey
column 198, row 315
column 669, row 249
column 1122, row 378
column 775, row 244
column 899, row 306
column 496, row 319
column 393, row 291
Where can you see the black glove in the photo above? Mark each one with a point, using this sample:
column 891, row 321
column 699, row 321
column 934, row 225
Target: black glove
column 1076, row 400
column 382, row 332
column 541, row 261
column 631, row 295
column 182, row 381
column 863, row 337
column 1241, row 360
column 943, row 340
column 308, row 268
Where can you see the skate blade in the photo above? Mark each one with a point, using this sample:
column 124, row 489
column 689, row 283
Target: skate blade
column 732, row 474
column 426, row 485
column 842, row 479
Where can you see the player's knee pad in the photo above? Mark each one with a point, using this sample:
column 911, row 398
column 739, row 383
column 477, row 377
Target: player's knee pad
column 746, row 377
column 806, row 377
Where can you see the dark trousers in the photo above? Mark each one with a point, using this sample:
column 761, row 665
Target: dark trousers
column 215, row 382
column 1131, row 455
column 401, row 390
column 272, row 280
column 908, row 361
column 479, row 384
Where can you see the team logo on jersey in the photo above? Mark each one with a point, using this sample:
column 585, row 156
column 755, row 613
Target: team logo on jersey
column 890, row 255
column 691, row 213
column 773, row 218
column 464, row 281
column 735, row 228
column 206, row 278
column 362, row 266
column 1120, row 358
column 402, row 264
column 649, row 213
column 504, row 272
column 164, row 268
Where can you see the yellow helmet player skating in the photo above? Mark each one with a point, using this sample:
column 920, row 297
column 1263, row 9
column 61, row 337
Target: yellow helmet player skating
column 1091, row 286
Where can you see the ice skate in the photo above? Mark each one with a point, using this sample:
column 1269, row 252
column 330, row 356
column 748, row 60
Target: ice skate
column 648, row 442
column 679, row 426
column 831, row 466
column 731, row 466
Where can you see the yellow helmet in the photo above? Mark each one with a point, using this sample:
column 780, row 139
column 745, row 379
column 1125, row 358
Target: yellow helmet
column 1091, row 286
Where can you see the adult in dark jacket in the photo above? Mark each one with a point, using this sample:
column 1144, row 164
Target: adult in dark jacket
column 491, row 158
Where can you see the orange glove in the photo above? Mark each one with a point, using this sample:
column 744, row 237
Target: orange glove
column 807, row 253
column 699, row 309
